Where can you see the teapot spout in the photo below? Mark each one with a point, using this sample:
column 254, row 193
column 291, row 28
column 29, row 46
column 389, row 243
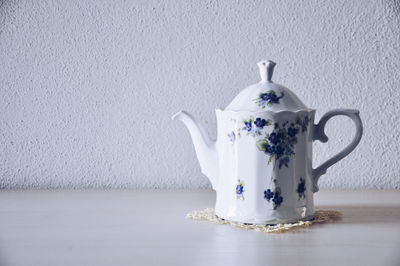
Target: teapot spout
column 206, row 150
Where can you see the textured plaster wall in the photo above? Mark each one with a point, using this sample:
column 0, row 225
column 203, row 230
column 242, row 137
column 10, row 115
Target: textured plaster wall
column 87, row 88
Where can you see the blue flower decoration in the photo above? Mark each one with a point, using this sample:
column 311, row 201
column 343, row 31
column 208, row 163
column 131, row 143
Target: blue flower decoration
column 292, row 131
column 268, row 194
column 240, row 189
column 303, row 124
column 273, row 138
column 279, row 150
column 274, row 98
column 270, row 150
column 275, row 196
column 232, row 136
column 280, row 143
column 277, row 200
column 260, row 123
column 248, row 125
column 301, row 188
column 265, row 97
column 254, row 127
column 268, row 98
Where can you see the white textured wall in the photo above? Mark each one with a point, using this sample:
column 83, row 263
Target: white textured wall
column 88, row 87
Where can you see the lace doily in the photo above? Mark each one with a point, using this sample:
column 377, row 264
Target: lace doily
column 320, row 216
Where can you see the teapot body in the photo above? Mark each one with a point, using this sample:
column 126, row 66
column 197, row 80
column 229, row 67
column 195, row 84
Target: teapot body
column 265, row 166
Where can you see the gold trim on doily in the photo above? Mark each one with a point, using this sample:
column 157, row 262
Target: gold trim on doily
column 320, row 216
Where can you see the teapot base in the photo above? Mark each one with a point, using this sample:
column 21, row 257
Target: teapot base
column 268, row 222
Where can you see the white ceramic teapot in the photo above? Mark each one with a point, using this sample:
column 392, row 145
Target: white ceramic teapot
column 261, row 163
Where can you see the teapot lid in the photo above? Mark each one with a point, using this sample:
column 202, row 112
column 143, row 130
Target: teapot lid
column 266, row 95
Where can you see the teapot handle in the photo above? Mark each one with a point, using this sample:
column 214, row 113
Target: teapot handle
column 319, row 134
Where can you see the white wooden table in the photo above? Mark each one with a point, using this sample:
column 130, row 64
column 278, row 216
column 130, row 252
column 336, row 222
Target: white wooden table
column 129, row 227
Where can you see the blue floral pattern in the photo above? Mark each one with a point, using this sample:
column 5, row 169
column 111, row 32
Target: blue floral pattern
column 275, row 196
column 260, row 123
column 301, row 188
column 232, row 136
column 240, row 190
column 279, row 144
column 268, row 194
column 253, row 126
column 268, row 98
column 303, row 124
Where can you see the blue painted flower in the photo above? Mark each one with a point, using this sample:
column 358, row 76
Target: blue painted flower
column 270, row 150
column 281, row 134
column 274, row 98
column 301, row 188
column 248, row 126
column 276, row 197
column 232, row 136
column 260, row 123
column 304, row 124
column 279, row 150
column 273, row 138
column 268, row 194
column 280, row 143
column 239, row 189
column 265, row 97
column 292, row 131
column 277, row 200
column 268, row 98
column 253, row 126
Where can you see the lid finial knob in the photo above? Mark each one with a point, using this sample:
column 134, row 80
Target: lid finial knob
column 266, row 70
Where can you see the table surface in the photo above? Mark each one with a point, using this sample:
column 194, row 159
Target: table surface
column 148, row 227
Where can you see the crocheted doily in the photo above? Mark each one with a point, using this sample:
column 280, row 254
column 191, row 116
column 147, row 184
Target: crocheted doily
column 320, row 216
